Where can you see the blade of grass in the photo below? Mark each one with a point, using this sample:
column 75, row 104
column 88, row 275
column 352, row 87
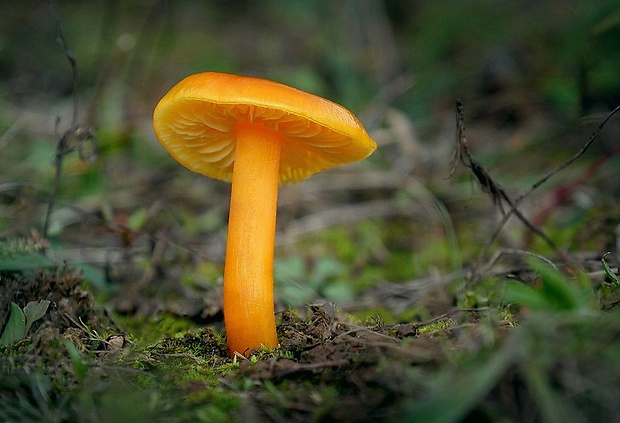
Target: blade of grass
column 457, row 393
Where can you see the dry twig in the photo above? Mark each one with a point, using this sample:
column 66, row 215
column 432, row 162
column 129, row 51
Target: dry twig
column 77, row 138
column 497, row 193
column 488, row 184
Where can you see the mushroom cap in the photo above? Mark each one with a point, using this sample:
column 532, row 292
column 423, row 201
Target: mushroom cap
column 197, row 119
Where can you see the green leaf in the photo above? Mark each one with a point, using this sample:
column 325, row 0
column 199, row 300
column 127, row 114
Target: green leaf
column 79, row 366
column 338, row 292
column 613, row 278
column 326, row 268
column 93, row 275
column 15, row 329
column 33, row 311
column 289, row 268
column 553, row 405
column 556, row 292
column 457, row 392
column 24, row 262
column 137, row 220
column 519, row 293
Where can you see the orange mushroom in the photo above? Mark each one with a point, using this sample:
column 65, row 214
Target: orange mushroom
column 256, row 133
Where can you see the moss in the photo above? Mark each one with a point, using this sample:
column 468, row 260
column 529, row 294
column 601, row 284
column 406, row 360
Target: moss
column 436, row 327
column 147, row 330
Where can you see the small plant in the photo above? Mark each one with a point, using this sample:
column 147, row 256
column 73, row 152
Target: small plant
column 611, row 276
column 21, row 253
column 20, row 321
column 21, row 246
column 436, row 327
column 553, row 291
column 297, row 283
column 561, row 331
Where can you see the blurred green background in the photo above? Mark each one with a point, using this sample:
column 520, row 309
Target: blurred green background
column 536, row 78
column 388, row 240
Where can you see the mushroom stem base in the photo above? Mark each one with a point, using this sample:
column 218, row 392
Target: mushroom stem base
column 248, row 270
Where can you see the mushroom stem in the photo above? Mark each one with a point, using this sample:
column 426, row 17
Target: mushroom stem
column 248, row 270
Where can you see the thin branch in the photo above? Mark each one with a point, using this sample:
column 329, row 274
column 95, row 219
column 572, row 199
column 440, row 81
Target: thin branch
column 572, row 159
column 76, row 138
column 69, row 55
column 519, row 200
column 463, row 155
